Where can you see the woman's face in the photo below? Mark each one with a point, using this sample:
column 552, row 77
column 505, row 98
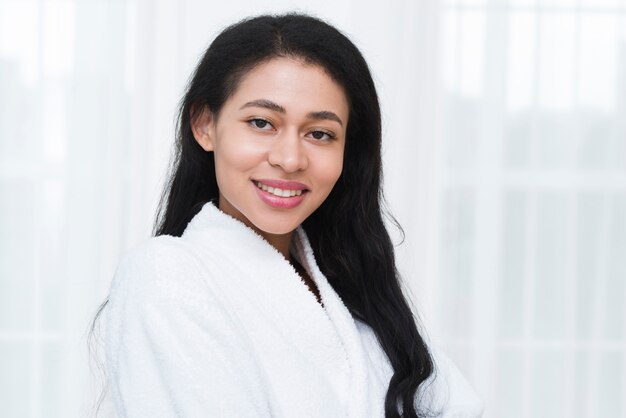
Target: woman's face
column 278, row 144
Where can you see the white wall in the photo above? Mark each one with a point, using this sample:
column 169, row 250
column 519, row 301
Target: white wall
column 505, row 161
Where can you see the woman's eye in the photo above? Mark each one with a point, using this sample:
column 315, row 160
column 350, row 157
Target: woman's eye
column 260, row 123
column 322, row 135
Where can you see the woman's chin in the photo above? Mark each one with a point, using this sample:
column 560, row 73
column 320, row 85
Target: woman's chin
column 275, row 228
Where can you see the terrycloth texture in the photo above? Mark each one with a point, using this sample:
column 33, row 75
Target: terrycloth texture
column 217, row 323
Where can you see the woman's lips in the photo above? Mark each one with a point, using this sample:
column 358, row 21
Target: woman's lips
column 279, row 193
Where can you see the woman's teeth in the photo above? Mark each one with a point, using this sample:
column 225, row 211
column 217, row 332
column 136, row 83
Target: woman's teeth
column 278, row 192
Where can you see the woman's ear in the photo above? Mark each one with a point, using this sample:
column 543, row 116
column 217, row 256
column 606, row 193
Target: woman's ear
column 202, row 127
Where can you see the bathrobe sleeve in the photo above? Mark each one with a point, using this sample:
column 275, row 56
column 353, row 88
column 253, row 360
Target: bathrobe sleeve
column 172, row 348
column 445, row 394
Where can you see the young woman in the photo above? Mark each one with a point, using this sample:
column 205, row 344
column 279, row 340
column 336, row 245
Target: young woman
column 271, row 287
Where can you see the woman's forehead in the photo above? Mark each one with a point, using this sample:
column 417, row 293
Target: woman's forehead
column 293, row 85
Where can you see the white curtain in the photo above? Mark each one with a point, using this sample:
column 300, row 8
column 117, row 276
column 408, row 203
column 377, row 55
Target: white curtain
column 505, row 162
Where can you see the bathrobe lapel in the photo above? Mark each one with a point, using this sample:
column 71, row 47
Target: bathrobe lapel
column 311, row 356
column 346, row 330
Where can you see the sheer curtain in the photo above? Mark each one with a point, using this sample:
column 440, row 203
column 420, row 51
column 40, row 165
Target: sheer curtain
column 533, row 193
column 505, row 162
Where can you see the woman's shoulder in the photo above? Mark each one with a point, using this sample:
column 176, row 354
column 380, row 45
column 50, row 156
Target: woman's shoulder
column 149, row 258
column 446, row 393
column 152, row 248
column 159, row 268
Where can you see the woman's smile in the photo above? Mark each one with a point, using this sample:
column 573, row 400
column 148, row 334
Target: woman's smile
column 280, row 193
column 281, row 188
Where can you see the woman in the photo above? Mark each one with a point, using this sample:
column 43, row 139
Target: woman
column 271, row 287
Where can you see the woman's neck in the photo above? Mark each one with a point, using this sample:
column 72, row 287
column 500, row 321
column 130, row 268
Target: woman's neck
column 280, row 242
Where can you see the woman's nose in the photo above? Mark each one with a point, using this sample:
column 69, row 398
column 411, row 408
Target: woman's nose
column 288, row 152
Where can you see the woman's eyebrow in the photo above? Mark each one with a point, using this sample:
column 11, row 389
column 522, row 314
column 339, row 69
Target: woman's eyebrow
column 268, row 104
column 324, row 115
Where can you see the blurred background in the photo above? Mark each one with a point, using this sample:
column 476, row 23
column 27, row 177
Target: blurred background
column 505, row 158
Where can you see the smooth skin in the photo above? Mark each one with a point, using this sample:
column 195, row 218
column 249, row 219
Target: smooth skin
column 286, row 121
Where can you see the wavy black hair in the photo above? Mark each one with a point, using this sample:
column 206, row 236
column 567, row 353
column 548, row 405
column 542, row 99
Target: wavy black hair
column 347, row 233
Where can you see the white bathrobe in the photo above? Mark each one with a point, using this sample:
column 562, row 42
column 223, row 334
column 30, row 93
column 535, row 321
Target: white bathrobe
column 217, row 323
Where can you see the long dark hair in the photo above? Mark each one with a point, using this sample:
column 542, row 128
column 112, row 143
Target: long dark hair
column 347, row 233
